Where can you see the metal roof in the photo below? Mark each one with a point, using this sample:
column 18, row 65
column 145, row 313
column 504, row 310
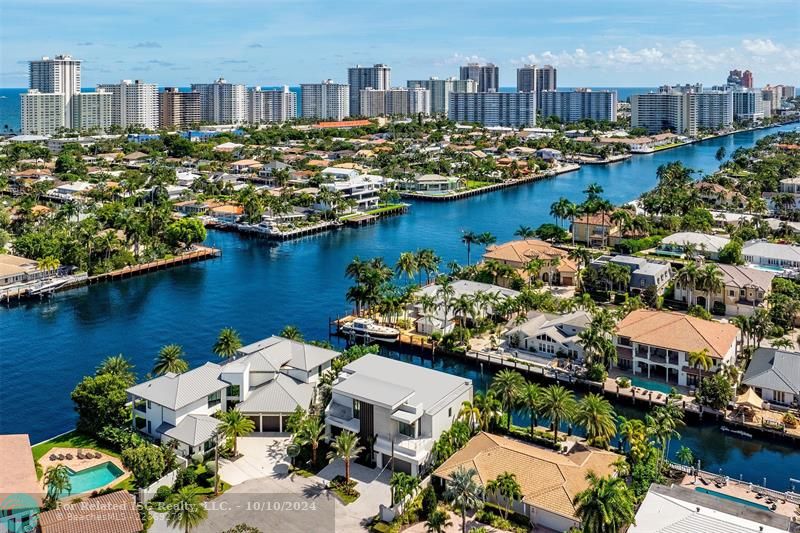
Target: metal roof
column 774, row 369
column 174, row 391
column 194, row 429
column 281, row 395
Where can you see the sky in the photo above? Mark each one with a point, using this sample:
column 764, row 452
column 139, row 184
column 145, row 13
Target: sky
column 618, row 43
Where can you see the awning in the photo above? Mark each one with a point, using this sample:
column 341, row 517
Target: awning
column 750, row 399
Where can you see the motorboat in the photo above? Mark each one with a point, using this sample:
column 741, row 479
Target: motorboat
column 367, row 327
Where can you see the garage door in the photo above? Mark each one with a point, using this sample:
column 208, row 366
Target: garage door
column 270, row 423
column 399, row 465
column 256, row 422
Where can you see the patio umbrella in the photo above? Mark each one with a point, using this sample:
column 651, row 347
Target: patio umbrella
column 749, row 398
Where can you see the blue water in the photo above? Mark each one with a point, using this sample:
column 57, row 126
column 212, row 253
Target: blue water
column 258, row 287
column 92, row 478
column 650, row 384
column 730, row 498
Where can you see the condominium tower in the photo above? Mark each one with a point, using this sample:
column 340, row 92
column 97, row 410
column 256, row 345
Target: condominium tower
column 487, row 75
column 748, row 105
column 378, row 76
column 178, row 109
column 572, row 106
column 58, row 75
column 133, row 103
column 326, row 100
column 440, row 91
column 683, row 111
column 222, row 102
column 494, row 109
column 395, row 101
column 273, row 105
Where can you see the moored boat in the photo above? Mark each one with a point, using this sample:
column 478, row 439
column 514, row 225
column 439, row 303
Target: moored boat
column 366, row 327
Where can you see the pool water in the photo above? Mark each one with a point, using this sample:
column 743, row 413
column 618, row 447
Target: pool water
column 92, row 478
column 728, row 497
column 650, row 384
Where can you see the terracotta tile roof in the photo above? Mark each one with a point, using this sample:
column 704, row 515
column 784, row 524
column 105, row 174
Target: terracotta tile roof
column 524, row 251
column 677, row 331
column 597, row 219
column 110, row 513
column 343, row 124
column 549, row 480
column 17, row 471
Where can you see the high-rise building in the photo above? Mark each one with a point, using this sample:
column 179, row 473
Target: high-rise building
column 419, row 101
column 747, row 79
column 713, row 110
column 326, row 100
column 662, row 111
column 738, row 79
column 373, row 102
column 526, row 79
column 487, row 75
column 378, row 76
column 394, row 101
column 58, row 75
column 789, row 91
column 397, row 101
column 774, row 95
column 572, row 106
column 440, row 91
column 748, row 105
column 178, row 109
column 133, row 103
column 494, row 109
column 93, row 111
column 222, row 102
column 274, row 105
column 42, row 113
column 546, row 78
column 532, row 78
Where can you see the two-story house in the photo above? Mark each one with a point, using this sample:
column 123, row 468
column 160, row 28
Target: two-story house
column 266, row 381
column 775, row 375
column 743, row 290
column 404, row 406
column 772, row 256
column 549, row 335
column 656, row 344
column 361, row 189
column 556, row 268
column 644, row 273
column 596, row 230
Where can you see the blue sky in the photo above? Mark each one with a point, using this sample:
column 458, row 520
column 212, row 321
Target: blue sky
column 271, row 42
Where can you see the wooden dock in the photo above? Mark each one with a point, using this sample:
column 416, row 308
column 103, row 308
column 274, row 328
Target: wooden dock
column 199, row 254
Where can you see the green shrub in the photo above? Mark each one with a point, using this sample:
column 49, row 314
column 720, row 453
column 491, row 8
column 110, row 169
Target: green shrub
column 596, row 372
column 211, row 467
column 162, row 493
column 197, row 458
column 185, row 477
column 429, row 501
column 623, row 382
column 631, row 246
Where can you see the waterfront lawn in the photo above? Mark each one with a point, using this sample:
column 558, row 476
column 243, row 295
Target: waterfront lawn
column 668, row 146
column 73, row 439
column 384, row 209
column 475, row 184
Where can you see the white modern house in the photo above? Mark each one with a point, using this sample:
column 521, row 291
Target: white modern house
column 703, row 244
column 403, row 406
column 363, row 189
column 432, row 320
column 549, row 335
column 772, row 256
column 266, row 381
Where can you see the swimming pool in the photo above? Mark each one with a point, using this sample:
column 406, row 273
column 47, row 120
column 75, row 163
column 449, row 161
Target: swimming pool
column 728, row 497
column 92, row 478
column 650, row 384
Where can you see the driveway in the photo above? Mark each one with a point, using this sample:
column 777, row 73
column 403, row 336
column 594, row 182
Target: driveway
column 373, row 487
column 260, row 457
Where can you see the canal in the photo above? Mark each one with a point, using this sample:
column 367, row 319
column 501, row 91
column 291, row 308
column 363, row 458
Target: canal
column 258, row 287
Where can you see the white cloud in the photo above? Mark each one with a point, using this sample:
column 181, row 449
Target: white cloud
column 760, row 46
column 460, row 59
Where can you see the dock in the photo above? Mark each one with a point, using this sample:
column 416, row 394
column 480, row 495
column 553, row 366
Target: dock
column 200, row 253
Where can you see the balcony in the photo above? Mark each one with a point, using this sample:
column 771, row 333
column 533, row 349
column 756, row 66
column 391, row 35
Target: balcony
column 342, row 416
column 412, row 448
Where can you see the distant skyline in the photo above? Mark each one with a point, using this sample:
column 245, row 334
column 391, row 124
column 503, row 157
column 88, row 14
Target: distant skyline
column 618, row 43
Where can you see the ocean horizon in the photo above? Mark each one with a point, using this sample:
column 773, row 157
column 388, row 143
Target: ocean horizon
column 10, row 100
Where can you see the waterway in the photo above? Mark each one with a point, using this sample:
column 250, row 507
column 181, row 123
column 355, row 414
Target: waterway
column 258, row 287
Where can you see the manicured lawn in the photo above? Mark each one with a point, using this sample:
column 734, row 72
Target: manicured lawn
column 383, row 209
column 125, row 485
column 346, row 499
column 667, row 146
column 73, row 439
column 473, row 184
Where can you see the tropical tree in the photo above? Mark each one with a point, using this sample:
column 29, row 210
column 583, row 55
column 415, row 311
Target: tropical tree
column 471, row 415
column 687, row 278
column 507, row 386
column 186, row 510
column 464, row 492
column 292, row 333
column 310, row 433
column 507, row 486
column 525, row 232
column 662, row 424
column 57, row 482
column 469, row 238
column 228, row 342
column 489, row 407
column 345, row 447
column 402, row 485
column 438, row 521
column 118, row 365
column 709, row 278
column 233, row 424
column 531, row 398
column 606, row 506
column 407, row 265
column 48, row 264
column 170, row 359
column 700, row 359
column 685, row 455
column 596, row 415
column 558, row 404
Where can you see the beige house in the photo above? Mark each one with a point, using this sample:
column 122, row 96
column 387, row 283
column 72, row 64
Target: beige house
column 556, row 269
column 744, row 289
column 549, row 480
column 16, row 269
column 594, row 230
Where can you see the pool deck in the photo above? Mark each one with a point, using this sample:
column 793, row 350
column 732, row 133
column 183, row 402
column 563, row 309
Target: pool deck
column 77, row 465
column 745, row 491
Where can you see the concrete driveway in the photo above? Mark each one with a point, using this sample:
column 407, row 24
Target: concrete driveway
column 373, row 487
column 261, row 456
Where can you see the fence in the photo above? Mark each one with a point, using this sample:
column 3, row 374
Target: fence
column 146, row 494
column 789, row 496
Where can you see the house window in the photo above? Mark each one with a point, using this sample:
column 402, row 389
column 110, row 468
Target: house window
column 449, row 412
column 149, row 405
column 214, row 399
column 406, row 429
column 356, row 409
column 232, row 391
column 149, row 426
column 778, row 396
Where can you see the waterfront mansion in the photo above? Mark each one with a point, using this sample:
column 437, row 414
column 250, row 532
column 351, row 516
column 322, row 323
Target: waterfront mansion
column 403, row 406
column 266, row 381
column 656, row 345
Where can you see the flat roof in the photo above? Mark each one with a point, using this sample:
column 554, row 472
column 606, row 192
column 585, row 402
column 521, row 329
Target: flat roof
column 17, row 470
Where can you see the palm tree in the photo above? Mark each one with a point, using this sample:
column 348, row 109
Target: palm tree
column 345, row 447
column 48, row 264
column 311, row 432
column 470, row 414
column 407, row 265
column 687, row 277
column 117, row 365
column 525, row 232
column 508, row 385
column 558, row 404
column 57, row 482
column 606, row 506
column 464, row 492
column 662, row 424
column 469, row 238
column 233, row 424
column 186, row 510
column 507, row 486
column 685, row 455
column 597, row 417
column 464, row 307
column 572, row 211
column 489, row 407
column 445, row 294
column 228, row 342
column 292, row 333
column 710, row 279
column 531, row 398
column 170, row 359
column 438, row 521
column 700, row 359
